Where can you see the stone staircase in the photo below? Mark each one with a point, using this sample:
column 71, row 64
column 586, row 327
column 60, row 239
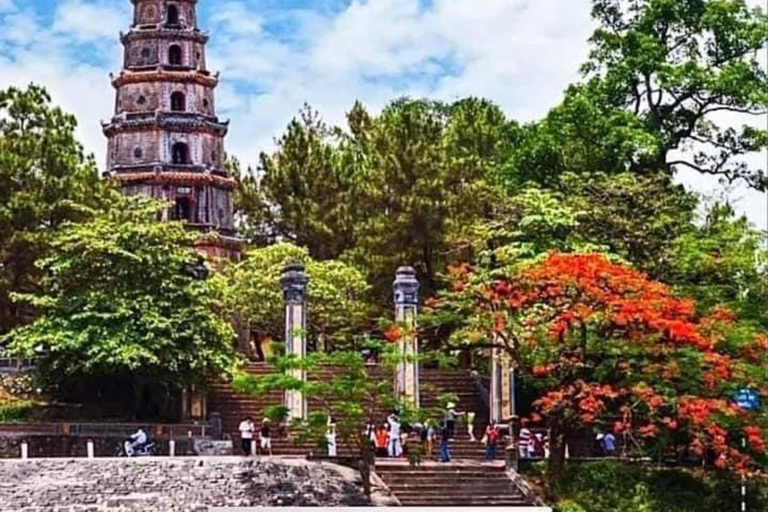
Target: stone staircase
column 234, row 406
column 454, row 485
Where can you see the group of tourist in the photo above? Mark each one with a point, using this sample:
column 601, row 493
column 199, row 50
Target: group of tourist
column 248, row 434
column 390, row 438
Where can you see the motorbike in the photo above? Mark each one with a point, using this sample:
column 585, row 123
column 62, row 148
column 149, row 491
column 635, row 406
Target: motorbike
column 126, row 450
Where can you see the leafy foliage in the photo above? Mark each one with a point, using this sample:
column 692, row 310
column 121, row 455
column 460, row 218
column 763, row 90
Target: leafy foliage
column 604, row 345
column 118, row 298
column 611, row 486
column 337, row 309
column 722, row 261
column 677, row 63
column 349, row 393
column 44, row 173
column 398, row 188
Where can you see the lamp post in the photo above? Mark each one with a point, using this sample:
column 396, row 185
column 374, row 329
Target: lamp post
column 406, row 291
column 294, row 283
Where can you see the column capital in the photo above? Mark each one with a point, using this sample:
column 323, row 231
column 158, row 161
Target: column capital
column 294, row 283
column 406, row 287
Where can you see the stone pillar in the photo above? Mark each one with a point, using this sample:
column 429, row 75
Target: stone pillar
column 406, row 289
column 294, row 284
column 502, row 386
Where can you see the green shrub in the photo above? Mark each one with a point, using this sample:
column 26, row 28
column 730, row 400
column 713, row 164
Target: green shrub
column 615, row 486
column 15, row 412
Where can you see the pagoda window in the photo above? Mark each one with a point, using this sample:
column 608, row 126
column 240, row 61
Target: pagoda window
column 181, row 209
column 178, row 102
column 175, row 55
column 180, row 154
column 172, row 18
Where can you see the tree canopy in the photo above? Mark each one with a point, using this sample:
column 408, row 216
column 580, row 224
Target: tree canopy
column 604, row 345
column 118, row 297
column 44, row 175
column 337, row 292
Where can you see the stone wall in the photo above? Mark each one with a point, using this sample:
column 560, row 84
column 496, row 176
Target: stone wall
column 167, row 485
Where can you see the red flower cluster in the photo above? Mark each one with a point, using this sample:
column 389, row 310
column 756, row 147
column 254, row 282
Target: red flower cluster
column 394, row 334
column 596, row 322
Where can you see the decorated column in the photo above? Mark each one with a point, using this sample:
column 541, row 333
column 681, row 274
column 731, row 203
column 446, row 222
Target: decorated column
column 294, row 283
column 502, row 386
column 406, row 289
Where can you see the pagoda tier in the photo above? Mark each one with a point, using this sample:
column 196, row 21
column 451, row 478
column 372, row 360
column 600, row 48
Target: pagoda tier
column 165, row 139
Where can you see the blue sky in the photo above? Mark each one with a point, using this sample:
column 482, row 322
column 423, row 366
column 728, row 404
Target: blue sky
column 276, row 55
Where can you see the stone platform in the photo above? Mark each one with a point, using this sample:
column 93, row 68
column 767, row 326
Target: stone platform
column 165, row 485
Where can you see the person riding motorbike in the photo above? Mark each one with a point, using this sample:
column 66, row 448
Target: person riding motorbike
column 136, row 442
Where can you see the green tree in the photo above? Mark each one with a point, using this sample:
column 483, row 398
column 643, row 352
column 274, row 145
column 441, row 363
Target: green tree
column 722, row 261
column 338, row 311
column 605, row 346
column 348, row 392
column 676, row 64
column 585, row 134
column 636, row 217
column 661, row 77
column 398, row 188
column 306, row 190
column 427, row 172
column 119, row 299
column 44, row 174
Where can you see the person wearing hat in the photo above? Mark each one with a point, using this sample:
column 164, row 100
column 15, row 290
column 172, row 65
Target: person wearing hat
column 449, row 419
column 265, row 437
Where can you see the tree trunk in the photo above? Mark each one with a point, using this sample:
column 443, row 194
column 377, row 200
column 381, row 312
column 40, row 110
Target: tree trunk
column 557, row 453
column 366, row 462
column 365, row 475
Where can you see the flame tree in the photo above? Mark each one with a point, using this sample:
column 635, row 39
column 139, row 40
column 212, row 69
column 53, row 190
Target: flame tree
column 605, row 346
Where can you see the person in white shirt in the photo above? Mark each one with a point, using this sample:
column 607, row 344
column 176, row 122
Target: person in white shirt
column 137, row 441
column 395, row 448
column 330, row 437
column 246, row 429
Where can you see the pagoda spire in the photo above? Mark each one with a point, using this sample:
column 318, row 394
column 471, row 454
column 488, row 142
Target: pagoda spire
column 165, row 139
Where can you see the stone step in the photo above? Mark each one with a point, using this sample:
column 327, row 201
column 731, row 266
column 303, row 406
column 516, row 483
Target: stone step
column 440, row 493
column 464, row 502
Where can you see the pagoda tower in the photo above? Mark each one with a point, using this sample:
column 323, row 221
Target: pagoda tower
column 165, row 140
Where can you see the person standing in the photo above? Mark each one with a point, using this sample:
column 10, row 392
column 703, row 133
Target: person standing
column 450, row 419
column 444, row 450
column 394, row 448
column 246, row 429
column 491, row 442
column 382, row 441
column 524, row 439
column 608, row 444
column 330, row 438
column 265, row 437
column 471, row 426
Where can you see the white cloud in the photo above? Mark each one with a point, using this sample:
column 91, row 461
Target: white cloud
column 90, row 21
column 519, row 53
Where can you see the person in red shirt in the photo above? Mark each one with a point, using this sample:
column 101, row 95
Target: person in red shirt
column 382, row 439
column 491, row 442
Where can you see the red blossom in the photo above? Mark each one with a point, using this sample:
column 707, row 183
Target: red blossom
column 394, row 334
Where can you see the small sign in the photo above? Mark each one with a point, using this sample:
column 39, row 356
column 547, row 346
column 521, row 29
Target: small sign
column 183, row 190
column 748, row 399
